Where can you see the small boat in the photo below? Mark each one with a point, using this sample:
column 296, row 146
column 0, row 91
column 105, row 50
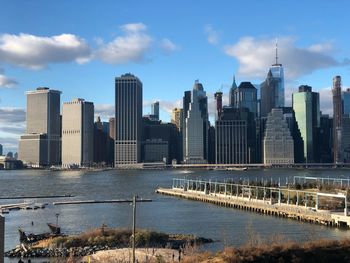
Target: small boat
column 5, row 211
column 55, row 229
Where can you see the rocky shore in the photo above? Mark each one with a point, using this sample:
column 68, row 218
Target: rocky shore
column 101, row 239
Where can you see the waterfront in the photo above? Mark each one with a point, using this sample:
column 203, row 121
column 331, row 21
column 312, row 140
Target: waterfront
column 166, row 214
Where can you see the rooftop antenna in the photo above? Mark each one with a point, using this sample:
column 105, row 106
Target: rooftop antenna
column 276, row 42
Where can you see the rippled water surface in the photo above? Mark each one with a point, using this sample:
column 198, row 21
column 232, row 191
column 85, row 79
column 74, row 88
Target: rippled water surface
column 168, row 214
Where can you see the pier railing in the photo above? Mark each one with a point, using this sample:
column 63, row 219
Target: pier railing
column 342, row 182
column 271, row 195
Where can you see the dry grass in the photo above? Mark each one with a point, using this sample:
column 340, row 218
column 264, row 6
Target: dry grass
column 277, row 249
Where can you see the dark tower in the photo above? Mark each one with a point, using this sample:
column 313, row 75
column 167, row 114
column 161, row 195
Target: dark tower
column 337, row 119
column 218, row 99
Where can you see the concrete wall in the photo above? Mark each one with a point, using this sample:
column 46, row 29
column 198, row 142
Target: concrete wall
column 2, row 238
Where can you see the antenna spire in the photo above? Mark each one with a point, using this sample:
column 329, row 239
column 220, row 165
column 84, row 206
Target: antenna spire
column 276, row 51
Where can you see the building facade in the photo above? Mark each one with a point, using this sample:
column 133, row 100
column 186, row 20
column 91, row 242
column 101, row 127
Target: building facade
column 346, row 101
column 1, row 149
column 177, row 118
column 128, row 116
column 77, row 133
column 43, row 128
column 196, row 125
column 306, row 105
column 155, row 110
column 245, row 96
column 278, row 143
column 337, row 120
column 235, row 137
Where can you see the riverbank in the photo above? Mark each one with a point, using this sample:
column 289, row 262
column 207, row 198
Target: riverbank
column 282, row 251
column 101, row 239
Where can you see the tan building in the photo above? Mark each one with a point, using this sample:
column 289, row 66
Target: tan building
column 40, row 146
column 2, row 238
column 278, row 143
column 177, row 118
column 77, row 133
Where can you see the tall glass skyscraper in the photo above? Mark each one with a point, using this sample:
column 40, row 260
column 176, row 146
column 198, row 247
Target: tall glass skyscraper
column 306, row 105
column 346, row 101
column 128, row 119
column 272, row 89
column 196, row 124
column 245, row 96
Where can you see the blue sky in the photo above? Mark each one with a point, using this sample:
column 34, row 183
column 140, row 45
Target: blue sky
column 79, row 47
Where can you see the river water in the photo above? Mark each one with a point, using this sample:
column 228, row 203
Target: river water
column 169, row 214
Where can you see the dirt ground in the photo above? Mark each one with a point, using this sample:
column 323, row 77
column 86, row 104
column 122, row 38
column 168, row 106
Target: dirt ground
column 143, row 255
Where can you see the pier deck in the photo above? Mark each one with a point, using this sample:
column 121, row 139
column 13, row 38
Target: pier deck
column 292, row 211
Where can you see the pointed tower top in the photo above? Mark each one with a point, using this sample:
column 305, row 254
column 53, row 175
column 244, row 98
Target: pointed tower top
column 234, row 85
column 276, row 57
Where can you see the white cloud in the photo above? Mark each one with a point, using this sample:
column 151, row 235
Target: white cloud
column 105, row 111
column 37, row 52
column 212, row 35
column 168, row 46
column 256, row 55
column 133, row 27
column 6, row 82
column 131, row 47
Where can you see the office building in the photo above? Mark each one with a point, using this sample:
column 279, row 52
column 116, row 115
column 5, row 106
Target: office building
column 218, row 100
column 128, row 116
column 196, row 124
column 77, row 133
column 103, row 143
column 346, row 138
column 245, row 96
column 278, row 143
column 1, row 149
column 337, row 120
column 177, row 118
column 159, row 135
column 306, row 105
column 43, row 128
column 235, row 137
column 155, row 110
column 326, row 139
column 155, row 150
column 289, row 116
column 346, row 101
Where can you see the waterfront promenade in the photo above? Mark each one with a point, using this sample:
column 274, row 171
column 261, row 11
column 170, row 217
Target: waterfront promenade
column 277, row 201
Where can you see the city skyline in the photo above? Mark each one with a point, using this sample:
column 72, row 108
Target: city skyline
column 210, row 49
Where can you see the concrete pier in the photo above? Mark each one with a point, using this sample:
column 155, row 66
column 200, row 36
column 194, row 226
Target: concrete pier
column 2, row 238
column 82, row 202
column 270, row 203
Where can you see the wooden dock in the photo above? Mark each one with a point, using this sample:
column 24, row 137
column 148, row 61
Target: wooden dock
column 36, row 197
column 291, row 211
column 83, row 202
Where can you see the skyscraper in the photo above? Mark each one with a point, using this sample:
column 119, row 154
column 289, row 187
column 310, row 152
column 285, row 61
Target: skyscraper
column 196, row 124
column 337, row 120
column 77, row 133
column 128, row 115
column 155, row 110
column 218, row 99
column 272, row 89
column 40, row 146
column 245, row 96
column 306, row 105
column 1, row 149
column 235, row 137
column 177, row 118
column 346, row 101
column 278, row 142
column 232, row 89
